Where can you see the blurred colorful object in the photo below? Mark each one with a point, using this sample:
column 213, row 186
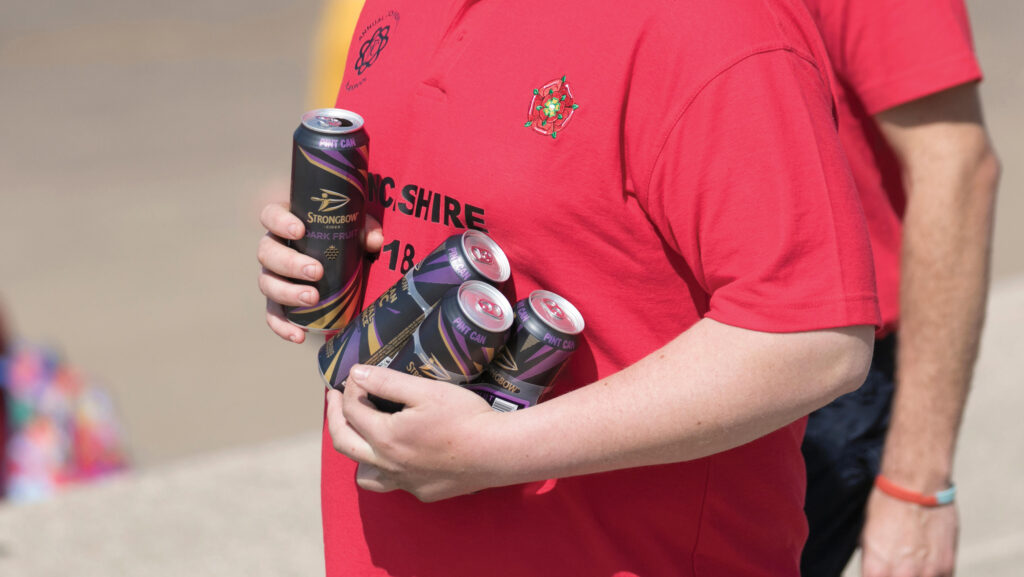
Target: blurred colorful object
column 61, row 428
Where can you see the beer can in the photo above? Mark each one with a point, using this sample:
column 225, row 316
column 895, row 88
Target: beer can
column 389, row 321
column 457, row 340
column 328, row 191
column 545, row 334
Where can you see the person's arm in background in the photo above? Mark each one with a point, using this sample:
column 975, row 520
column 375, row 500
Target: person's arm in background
column 950, row 173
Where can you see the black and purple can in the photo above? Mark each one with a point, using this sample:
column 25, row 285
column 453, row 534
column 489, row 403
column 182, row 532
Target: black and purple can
column 388, row 322
column 546, row 333
column 457, row 340
column 328, row 191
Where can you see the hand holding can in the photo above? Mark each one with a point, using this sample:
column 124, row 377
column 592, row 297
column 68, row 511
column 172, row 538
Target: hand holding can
column 328, row 190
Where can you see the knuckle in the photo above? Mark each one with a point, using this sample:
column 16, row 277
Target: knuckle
column 346, row 407
column 262, row 249
column 385, row 379
column 295, row 264
column 276, row 217
column 263, row 282
column 265, row 213
column 284, row 219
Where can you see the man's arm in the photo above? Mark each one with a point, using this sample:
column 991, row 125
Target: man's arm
column 710, row 389
column 950, row 173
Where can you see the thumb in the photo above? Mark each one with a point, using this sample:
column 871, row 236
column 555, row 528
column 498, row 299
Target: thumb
column 393, row 386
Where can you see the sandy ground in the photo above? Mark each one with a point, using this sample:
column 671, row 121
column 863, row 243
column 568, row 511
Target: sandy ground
column 137, row 141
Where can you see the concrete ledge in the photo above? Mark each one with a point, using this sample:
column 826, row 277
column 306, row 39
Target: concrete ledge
column 252, row 512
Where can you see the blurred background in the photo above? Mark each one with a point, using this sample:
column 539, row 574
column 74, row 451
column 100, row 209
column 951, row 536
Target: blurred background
column 138, row 140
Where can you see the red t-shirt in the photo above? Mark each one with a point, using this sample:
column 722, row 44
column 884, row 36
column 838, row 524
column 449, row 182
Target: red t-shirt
column 654, row 164
column 886, row 53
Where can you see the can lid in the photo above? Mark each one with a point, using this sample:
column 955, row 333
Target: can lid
column 332, row 121
column 485, row 306
column 556, row 312
column 485, row 256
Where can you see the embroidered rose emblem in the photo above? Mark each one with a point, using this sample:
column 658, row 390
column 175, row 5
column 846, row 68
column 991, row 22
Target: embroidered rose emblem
column 551, row 108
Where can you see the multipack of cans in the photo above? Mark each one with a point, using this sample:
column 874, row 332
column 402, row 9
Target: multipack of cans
column 446, row 318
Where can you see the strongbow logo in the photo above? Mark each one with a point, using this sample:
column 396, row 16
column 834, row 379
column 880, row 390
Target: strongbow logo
column 330, row 200
column 551, row 108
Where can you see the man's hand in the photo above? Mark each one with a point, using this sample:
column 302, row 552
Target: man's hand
column 907, row 540
column 427, row 448
column 280, row 264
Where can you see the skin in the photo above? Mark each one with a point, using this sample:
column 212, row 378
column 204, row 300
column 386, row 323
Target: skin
column 950, row 174
column 712, row 388
column 278, row 263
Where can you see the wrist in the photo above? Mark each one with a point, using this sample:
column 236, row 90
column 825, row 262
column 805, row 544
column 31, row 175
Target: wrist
column 917, row 461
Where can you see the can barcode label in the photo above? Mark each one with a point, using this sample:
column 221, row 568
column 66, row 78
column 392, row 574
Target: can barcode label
column 503, row 406
column 385, row 362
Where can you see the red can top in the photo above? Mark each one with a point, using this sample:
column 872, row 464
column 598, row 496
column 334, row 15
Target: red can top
column 486, row 256
column 485, row 306
column 556, row 312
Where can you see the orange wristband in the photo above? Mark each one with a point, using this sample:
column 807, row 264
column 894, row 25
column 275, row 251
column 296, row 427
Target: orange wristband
column 893, row 490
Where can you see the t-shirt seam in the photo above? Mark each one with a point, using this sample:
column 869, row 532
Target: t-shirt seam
column 937, row 77
column 645, row 191
column 845, row 297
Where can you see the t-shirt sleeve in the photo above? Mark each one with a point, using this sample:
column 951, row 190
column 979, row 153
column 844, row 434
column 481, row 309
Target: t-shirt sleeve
column 753, row 192
column 896, row 51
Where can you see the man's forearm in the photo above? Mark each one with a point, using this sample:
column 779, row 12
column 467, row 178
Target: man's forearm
column 951, row 175
column 943, row 295
column 713, row 388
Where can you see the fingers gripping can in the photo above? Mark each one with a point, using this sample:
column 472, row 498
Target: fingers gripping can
column 389, row 321
column 545, row 334
column 328, row 190
column 457, row 340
